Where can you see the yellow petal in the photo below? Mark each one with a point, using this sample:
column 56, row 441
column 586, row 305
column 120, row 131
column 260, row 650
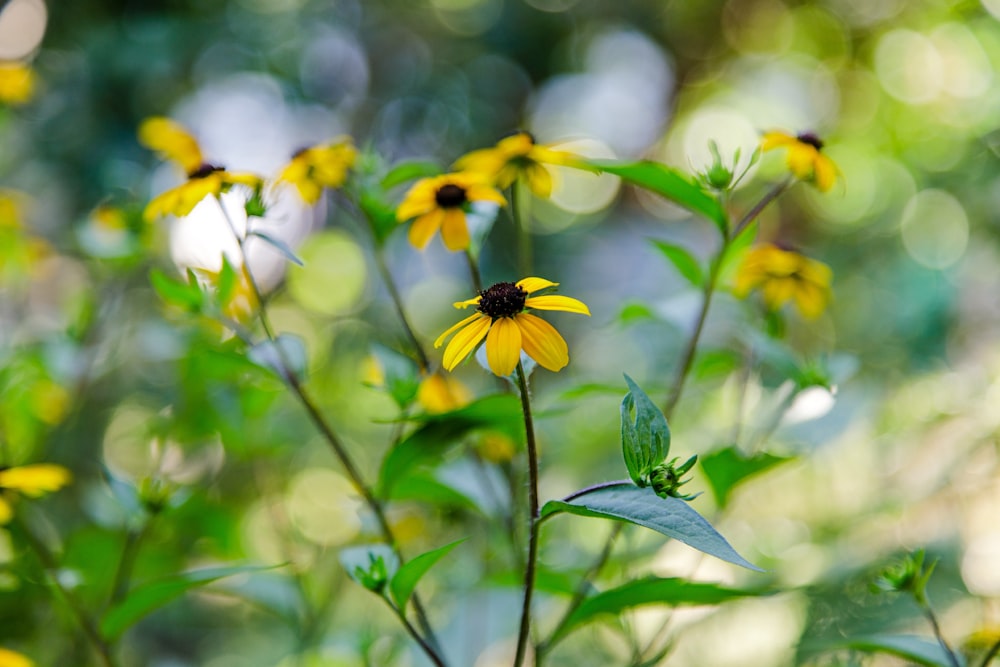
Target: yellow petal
column 542, row 342
column 530, row 285
column 557, row 302
column 454, row 232
column 419, row 200
column 539, row 180
column 35, row 480
column 810, row 300
column 772, row 140
column 424, row 227
column 801, row 158
column 6, row 514
column 172, row 141
column 438, row 393
column 10, row 658
column 465, row 341
column 778, row 291
column 467, row 302
column 824, row 173
column 503, row 346
column 481, row 192
column 452, row 329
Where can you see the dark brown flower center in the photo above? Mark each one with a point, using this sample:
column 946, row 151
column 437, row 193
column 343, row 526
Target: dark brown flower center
column 811, row 139
column 502, row 300
column 204, row 170
column 450, row 196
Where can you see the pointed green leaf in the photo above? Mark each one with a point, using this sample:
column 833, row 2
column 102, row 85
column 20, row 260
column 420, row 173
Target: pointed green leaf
column 674, row 592
column 668, row 183
column 183, row 295
column 278, row 245
column 669, row 516
column 405, row 580
column 921, row 650
column 727, row 468
column 685, row 263
column 408, row 171
column 381, row 216
column 147, row 598
column 646, row 438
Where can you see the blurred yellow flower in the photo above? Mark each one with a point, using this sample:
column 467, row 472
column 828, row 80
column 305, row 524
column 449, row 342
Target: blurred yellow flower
column 10, row 658
column 318, row 167
column 176, row 144
column 438, row 393
column 17, row 83
column 31, row 480
column 782, row 276
column 502, row 319
column 440, row 202
column 805, row 158
column 496, row 447
column 513, row 157
column 240, row 302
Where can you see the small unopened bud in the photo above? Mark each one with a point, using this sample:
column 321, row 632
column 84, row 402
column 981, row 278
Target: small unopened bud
column 375, row 577
column 666, row 478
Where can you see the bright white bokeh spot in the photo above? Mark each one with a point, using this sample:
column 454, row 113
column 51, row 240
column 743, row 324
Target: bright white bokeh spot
column 730, row 129
column 969, row 71
column 909, row 66
column 580, row 191
column 935, row 229
column 22, row 26
column 811, row 403
column 979, row 566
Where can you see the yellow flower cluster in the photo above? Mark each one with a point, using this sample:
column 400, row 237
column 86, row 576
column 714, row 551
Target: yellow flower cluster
column 782, row 276
column 32, row 481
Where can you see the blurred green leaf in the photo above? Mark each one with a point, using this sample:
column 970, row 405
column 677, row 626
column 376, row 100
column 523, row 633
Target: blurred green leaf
column 501, row 412
column 226, row 283
column 646, row 438
column 674, row 592
column 685, row 263
column 668, row 516
column 727, row 468
column 423, row 487
column 188, row 296
column 278, row 245
column 405, row 580
column 668, row 183
column 634, row 311
column 921, row 650
column 408, row 171
column 381, row 216
column 147, row 598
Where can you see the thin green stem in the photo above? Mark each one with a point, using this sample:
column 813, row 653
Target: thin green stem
column 474, row 275
column 932, row 618
column 130, row 552
column 76, row 607
column 992, row 653
column 331, row 438
column 428, row 649
column 397, row 301
column 533, row 522
column 759, row 207
column 525, row 254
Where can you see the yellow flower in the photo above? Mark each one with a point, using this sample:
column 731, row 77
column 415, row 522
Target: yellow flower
column 10, row 658
column 240, row 303
column 17, row 83
column 508, row 329
column 805, row 158
column 783, row 275
column 32, row 481
column 439, row 202
column 515, row 156
column 318, row 167
column 496, row 447
column 176, row 144
column 439, row 393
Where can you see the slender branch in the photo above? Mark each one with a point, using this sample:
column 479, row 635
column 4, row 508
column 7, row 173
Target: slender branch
column 929, row 613
column 397, row 301
column 753, row 213
column 76, row 607
column 524, row 250
column 474, row 275
column 133, row 542
column 533, row 522
column 435, row 658
column 992, row 653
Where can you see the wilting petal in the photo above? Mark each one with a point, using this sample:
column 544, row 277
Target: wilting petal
column 454, row 232
column 542, row 342
column 35, row 480
column 424, row 227
column 452, row 329
column 465, row 341
column 503, row 346
column 530, row 285
column 467, row 302
column 557, row 302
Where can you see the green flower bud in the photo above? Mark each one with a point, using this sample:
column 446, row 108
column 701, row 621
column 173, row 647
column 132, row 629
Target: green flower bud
column 666, row 478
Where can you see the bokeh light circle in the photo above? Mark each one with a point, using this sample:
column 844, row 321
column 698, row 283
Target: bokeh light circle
column 332, row 282
column 935, row 229
column 22, row 26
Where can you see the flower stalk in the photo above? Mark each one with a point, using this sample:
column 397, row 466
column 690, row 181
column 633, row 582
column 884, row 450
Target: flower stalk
column 533, row 520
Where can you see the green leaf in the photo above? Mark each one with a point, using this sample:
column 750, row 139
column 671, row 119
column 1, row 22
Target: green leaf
column 668, row 183
column 381, row 216
column 921, row 650
column 279, row 245
column 645, row 439
column 226, row 285
column 147, row 598
column 728, row 467
column 674, row 592
column 669, row 516
column 408, row 171
column 405, row 580
column 685, row 263
column 429, row 442
column 634, row 311
column 176, row 293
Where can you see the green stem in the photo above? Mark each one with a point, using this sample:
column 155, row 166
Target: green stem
column 992, row 653
column 759, row 207
column 533, row 523
column 76, row 607
column 331, row 438
column 525, row 256
column 397, row 301
column 130, row 552
column 929, row 613
column 429, row 650
column 474, row 275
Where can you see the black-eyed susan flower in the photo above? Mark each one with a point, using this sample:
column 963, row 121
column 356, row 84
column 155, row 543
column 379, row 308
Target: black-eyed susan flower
column 440, row 202
column 502, row 319
column 317, row 167
column 440, row 393
column 805, row 158
column 10, row 658
column 782, row 276
column 32, row 481
column 17, row 83
column 516, row 156
column 176, row 144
